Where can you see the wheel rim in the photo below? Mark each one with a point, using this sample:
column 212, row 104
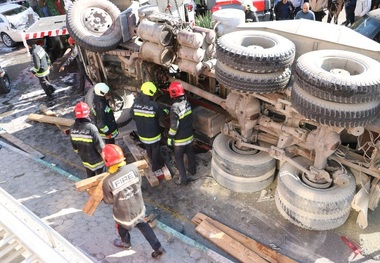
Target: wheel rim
column 96, row 20
column 7, row 40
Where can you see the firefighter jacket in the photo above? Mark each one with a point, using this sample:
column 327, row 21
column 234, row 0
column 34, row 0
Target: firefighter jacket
column 181, row 122
column 87, row 142
column 146, row 114
column 74, row 55
column 41, row 61
column 103, row 117
column 123, row 190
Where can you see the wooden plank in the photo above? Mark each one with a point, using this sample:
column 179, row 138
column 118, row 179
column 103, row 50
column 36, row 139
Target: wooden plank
column 265, row 252
column 94, row 200
column 90, row 182
column 51, row 119
column 95, row 180
column 20, row 144
column 48, row 112
column 227, row 243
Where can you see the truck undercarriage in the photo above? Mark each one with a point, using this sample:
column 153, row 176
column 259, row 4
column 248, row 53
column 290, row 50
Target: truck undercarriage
column 311, row 119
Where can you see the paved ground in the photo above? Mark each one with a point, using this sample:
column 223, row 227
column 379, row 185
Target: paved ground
column 49, row 192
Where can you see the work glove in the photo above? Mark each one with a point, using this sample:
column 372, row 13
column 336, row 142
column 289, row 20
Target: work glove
column 170, row 141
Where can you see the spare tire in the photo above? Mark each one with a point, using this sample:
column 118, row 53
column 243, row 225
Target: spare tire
column 339, row 76
column 255, row 51
column 333, row 113
column 252, row 82
column 311, row 208
column 94, row 25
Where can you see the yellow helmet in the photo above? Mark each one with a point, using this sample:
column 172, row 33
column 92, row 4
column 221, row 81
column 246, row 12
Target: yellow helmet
column 148, row 88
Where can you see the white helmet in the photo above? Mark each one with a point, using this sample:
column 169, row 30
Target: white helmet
column 101, row 89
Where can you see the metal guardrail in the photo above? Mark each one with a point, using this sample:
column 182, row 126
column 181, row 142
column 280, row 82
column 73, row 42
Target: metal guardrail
column 26, row 238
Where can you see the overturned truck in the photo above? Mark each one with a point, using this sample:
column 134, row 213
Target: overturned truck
column 284, row 103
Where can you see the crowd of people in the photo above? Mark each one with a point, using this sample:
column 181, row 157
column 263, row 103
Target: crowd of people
column 313, row 9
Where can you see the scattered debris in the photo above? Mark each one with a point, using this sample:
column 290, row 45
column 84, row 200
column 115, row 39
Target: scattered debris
column 20, row 144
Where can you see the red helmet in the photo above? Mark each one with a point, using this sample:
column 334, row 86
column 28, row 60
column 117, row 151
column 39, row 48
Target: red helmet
column 176, row 89
column 112, row 154
column 82, row 110
column 71, row 41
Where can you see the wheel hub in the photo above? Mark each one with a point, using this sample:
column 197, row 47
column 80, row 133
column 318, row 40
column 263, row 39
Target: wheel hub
column 339, row 71
column 97, row 20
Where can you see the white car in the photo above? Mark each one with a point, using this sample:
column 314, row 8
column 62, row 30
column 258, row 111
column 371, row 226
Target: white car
column 14, row 19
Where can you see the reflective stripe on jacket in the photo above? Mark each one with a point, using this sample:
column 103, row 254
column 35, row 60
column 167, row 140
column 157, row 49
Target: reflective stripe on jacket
column 146, row 114
column 87, row 142
column 181, row 122
column 103, row 117
column 41, row 61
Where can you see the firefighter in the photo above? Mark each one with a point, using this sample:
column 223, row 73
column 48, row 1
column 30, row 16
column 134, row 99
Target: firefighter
column 41, row 68
column 146, row 113
column 102, row 114
column 181, row 132
column 122, row 189
column 86, row 140
column 74, row 55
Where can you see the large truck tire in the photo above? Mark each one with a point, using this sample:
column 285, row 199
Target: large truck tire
column 251, row 82
column 310, row 208
column 5, row 84
column 240, row 184
column 339, row 76
column 240, row 163
column 333, row 113
column 121, row 107
column 94, row 24
column 255, row 51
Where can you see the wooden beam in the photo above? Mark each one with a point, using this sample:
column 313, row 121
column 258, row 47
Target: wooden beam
column 51, row 119
column 20, row 144
column 265, row 252
column 48, row 112
column 95, row 180
column 227, row 243
column 94, row 200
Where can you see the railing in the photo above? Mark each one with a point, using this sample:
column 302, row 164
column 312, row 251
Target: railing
column 26, row 238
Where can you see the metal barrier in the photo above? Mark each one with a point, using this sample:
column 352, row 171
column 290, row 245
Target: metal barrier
column 26, row 238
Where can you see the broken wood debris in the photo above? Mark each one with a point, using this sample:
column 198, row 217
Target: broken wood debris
column 94, row 187
column 20, row 144
column 235, row 243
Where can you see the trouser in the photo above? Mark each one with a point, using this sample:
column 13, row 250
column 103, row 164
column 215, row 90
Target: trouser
column 153, row 152
column 109, row 141
column 179, row 155
column 350, row 14
column 319, row 15
column 45, row 11
column 46, row 85
column 91, row 173
column 145, row 229
column 82, row 77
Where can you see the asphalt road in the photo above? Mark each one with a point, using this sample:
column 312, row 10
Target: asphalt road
column 174, row 205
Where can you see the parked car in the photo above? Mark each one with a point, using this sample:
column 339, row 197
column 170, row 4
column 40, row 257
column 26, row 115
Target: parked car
column 14, row 19
column 369, row 25
column 263, row 8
